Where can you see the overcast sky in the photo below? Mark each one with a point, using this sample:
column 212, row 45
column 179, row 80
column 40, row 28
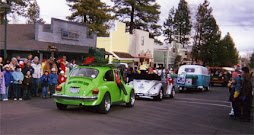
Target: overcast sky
column 233, row 16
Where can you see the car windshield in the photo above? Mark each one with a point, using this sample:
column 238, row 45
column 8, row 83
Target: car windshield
column 86, row 72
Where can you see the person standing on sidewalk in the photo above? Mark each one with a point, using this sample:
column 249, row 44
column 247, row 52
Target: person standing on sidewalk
column 246, row 94
column 8, row 80
column 45, row 80
column 18, row 78
column 27, row 85
column 53, row 81
column 36, row 75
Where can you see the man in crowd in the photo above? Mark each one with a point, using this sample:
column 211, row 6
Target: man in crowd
column 36, row 75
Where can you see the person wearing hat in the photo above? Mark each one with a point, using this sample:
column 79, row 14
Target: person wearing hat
column 18, row 78
column 28, row 67
column 49, row 65
column 45, row 80
column 53, row 81
column 61, row 78
column 8, row 79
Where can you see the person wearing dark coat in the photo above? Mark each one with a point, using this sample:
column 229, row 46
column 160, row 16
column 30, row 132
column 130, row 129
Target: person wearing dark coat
column 246, row 95
column 27, row 86
column 28, row 67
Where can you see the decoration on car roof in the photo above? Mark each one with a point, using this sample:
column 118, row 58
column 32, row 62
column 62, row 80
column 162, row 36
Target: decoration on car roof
column 88, row 60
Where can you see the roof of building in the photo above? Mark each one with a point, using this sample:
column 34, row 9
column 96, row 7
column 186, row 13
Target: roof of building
column 22, row 37
column 123, row 55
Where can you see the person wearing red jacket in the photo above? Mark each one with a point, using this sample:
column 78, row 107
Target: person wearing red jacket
column 61, row 78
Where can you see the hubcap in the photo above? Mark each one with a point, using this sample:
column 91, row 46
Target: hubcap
column 132, row 99
column 161, row 94
column 173, row 92
column 107, row 104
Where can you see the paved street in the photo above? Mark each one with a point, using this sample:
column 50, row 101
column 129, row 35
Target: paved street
column 187, row 113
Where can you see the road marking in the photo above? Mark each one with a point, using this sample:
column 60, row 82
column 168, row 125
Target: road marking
column 206, row 100
column 204, row 103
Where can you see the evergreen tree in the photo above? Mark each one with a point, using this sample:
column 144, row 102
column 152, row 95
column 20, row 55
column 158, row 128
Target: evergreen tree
column 252, row 61
column 18, row 7
column 168, row 26
column 93, row 13
column 207, row 38
column 182, row 23
column 139, row 14
column 228, row 52
column 33, row 13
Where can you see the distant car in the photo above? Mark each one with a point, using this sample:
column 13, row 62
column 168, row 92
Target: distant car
column 219, row 75
column 192, row 77
column 152, row 86
column 93, row 86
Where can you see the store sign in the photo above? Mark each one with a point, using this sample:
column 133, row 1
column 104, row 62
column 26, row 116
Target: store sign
column 146, row 54
column 70, row 35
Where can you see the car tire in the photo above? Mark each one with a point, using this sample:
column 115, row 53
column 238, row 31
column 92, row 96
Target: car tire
column 207, row 88
column 159, row 96
column 105, row 104
column 132, row 99
column 61, row 106
column 173, row 93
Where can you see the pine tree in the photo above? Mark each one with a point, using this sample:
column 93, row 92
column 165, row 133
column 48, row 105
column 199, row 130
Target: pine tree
column 18, row 7
column 207, row 37
column 93, row 13
column 228, row 52
column 168, row 26
column 182, row 23
column 139, row 14
column 33, row 13
column 252, row 61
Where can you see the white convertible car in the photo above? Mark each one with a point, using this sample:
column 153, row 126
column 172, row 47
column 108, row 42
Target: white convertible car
column 152, row 86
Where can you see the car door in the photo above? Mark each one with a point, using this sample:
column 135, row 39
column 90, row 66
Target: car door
column 110, row 82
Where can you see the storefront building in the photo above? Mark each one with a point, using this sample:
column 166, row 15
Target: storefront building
column 133, row 49
column 44, row 40
column 170, row 56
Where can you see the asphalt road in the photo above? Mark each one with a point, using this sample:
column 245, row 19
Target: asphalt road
column 188, row 113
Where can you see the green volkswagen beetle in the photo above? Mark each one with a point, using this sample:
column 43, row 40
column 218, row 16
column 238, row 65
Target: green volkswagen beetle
column 93, row 86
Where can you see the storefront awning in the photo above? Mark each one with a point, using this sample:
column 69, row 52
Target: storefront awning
column 121, row 57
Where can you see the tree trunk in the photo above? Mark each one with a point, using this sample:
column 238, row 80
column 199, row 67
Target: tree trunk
column 132, row 19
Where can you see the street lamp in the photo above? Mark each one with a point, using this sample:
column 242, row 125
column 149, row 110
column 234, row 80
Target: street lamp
column 5, row 8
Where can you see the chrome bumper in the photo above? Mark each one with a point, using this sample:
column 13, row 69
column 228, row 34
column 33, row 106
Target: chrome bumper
column 74, row 97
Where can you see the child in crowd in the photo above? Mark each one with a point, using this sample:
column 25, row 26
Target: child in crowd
column 18, row 78
column 61, row 78
column 53, row 81
column 2, row 84
column 45, row 84
column 27, row 85
column 8, row 80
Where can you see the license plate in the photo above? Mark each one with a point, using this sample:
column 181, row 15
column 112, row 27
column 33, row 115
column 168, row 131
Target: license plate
column 215, row 79
column 141, row 87
column 140, row 94
column 74, row 90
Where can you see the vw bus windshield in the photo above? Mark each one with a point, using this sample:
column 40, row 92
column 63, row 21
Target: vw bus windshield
column 189, row 70
column 85, row 72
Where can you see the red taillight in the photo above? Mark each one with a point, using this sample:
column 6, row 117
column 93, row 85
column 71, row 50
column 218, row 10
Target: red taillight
column 59, row 88
column 95, row 91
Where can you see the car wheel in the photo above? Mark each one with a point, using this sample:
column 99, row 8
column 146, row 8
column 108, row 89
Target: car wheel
column 173, row 93
column 132, row 99
column 105, row 104
column 159, row 96
column 61, row 106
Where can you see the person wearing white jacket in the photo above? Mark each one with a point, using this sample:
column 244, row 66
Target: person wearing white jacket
column 36, row 75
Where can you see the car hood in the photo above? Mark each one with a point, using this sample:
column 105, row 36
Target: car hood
column 143, row 86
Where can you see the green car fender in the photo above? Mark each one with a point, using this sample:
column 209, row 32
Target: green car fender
column 127, row 97
column 102, row 91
